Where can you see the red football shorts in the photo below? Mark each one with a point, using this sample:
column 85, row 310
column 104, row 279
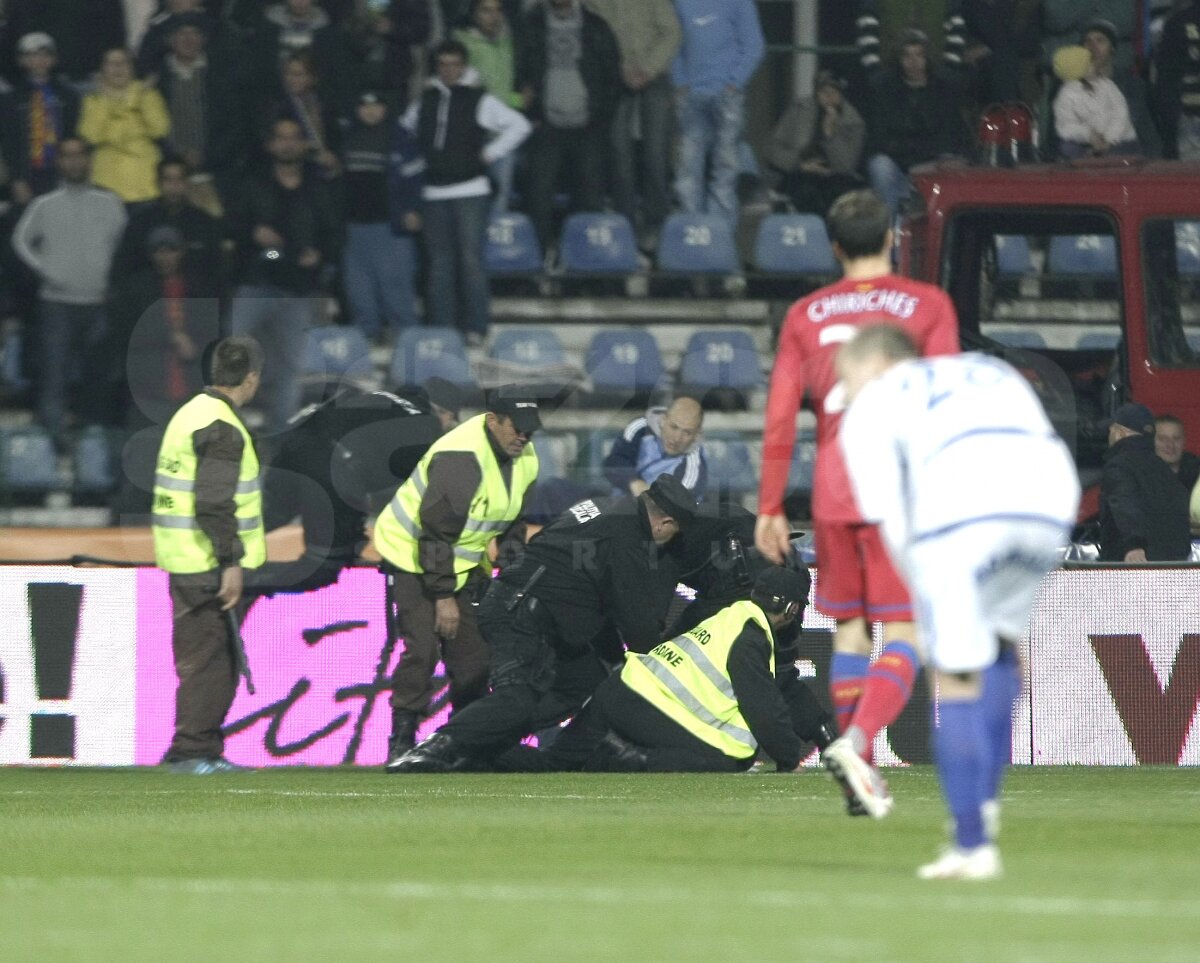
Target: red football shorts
column 855, row 575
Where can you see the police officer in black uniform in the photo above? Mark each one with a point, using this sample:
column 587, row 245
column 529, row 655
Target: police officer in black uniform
column 597, row 580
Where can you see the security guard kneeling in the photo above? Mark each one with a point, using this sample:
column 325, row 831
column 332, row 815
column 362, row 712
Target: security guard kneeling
column 208, row 527
column 470, row 487
column 704, row 701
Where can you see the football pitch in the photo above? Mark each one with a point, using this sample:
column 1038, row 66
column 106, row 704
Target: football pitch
column 1102, row 865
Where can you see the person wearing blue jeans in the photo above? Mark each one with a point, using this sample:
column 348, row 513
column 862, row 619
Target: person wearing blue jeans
column 461, row 130
column 383, row 199
column 722, row 47
column 279, row 320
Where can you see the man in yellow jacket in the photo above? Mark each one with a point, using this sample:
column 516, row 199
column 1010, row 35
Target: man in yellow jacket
column 472, row 484
column 208, row 527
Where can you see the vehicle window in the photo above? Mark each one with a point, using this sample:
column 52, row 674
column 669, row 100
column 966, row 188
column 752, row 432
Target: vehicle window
column 1171, row 272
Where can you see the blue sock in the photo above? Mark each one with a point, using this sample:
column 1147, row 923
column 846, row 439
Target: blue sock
column 1001, row 688
column 847, row 674
column 962, row 753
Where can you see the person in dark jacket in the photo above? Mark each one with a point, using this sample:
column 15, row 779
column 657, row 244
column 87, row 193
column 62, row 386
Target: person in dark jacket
column 663, row 441
column 1178, row 89
column 461, row 130
column 35, row 117
column 221, row 39
column 916, row 116
column 1170, row 444
column 379, row 263
column 1143, row 508
column 84, row 30
column 569, row 71
column 595, row 581
column 652, row 721
column 288, row 232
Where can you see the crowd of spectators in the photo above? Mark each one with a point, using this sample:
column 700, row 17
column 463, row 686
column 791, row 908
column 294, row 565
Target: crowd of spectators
column 309, row 152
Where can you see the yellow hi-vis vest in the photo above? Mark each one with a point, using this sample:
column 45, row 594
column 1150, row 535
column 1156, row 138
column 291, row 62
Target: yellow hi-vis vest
column 687, row 679
column 179, row 544
column 493, row 507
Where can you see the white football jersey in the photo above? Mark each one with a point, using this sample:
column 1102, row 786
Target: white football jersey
column 937, row 443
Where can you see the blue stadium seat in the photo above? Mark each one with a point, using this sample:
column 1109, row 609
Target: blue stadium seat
column 599, row 443
column 1099, row 341
column 337, row 351
column 1083, row 255
column 28, row 461
column 424, row 353
column 528, row 346
column 1019, row 339
column 804, row 461
column 624, row 362
column 512, row 246
column 556, row 454
column 794, row 244
column 730, row 464
column 1187, row 248
column 1193, row 340
column 93, row 460
column 1013, row 258
column 720, row 359
column 598, row 244
column 698, row 244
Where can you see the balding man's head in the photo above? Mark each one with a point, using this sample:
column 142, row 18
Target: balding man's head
column 870, row 353
column 681, row 425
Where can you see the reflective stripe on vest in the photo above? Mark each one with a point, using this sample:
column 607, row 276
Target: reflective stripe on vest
column 687, row 679
column 180, row 545
column 494, row 506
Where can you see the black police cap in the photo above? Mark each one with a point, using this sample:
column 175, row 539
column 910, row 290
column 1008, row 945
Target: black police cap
column 669, row 494
column 781, row 586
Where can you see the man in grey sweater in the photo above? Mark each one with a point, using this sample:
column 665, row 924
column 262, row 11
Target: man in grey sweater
column 68, row 238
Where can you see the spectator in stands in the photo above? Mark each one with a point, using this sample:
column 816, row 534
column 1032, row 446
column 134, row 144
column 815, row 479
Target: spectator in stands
column 1143, row 508
column 1002, row 50
column 209, row 124
column 445, row 401
column 301, row 25
column 124, row 120
column 306, row 101
column 1091, row 117
column 82, row 29
column 722, row 47
column 380, row 260
column 1178, row 88
column 67, row 238
column 1064, row 20
column 163, row 316
column 380, row 45
column 916, row 116
column 568, row 69
column 453, row 122
column 873, row 23
column 490, row 51
column 220, row 41
column 1169, row 445
column 289, row 235
column 35, row 117
column 648, row 37
column 1100, row 39
column 663, row 441
column 815, row 150
column 201, row 232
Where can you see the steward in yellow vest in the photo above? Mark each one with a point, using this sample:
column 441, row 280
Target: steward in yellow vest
column 470, row 487
column 208, row 526
column 704, row 701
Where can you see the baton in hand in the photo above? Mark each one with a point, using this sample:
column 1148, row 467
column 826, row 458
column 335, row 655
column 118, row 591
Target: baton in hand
column 239, row 649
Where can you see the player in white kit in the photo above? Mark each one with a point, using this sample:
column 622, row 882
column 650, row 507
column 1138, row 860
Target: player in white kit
column 975, row 495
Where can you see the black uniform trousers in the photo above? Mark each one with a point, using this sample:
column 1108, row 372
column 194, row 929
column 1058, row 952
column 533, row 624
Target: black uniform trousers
column 667, row 745
column 537, row 679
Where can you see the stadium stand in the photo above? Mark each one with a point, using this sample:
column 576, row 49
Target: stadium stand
column 1099, row 341
column 1082, row 256
column 337, row 351
column 1020, row 339
column 532, row 347
column 731, row 466
column 1013, row 256
column 424, row 353
column 28, row 461
column 721, row 367
column 93, row 462
column 512, row 247
column 598, row 244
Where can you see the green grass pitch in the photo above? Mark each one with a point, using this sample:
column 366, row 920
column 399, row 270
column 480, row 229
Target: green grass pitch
column 1103, row 865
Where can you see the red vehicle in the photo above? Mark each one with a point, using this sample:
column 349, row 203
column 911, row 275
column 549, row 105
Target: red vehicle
column 1084, row 275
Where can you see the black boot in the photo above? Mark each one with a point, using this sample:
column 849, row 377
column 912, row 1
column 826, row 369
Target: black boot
column 614, row 754
column 438, row 753
column 404, row 734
